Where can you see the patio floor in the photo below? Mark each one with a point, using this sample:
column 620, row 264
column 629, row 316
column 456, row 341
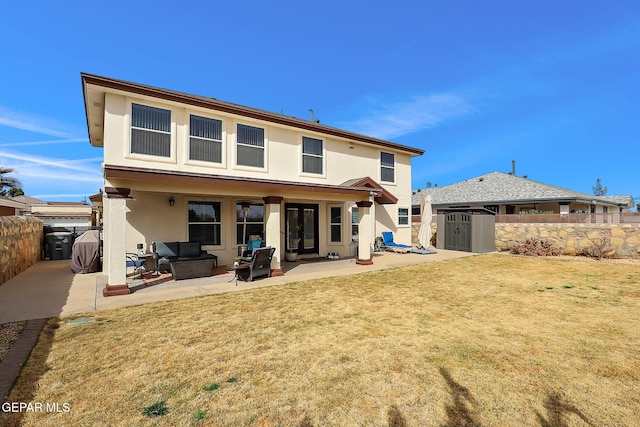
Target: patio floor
column 49, row 288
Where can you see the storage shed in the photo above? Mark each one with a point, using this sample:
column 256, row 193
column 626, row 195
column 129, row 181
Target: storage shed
column 470, row 230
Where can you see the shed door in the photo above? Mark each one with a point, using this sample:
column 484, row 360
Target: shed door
column 457, row 231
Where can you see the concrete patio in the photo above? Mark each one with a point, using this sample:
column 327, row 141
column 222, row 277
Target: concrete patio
column 50, row 288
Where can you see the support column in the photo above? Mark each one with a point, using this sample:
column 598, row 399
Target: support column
column 272, row 222
column 365, row 233
column 114, row 251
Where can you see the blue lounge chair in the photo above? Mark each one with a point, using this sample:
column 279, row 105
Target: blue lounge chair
column 387, row 238
column 138, row 264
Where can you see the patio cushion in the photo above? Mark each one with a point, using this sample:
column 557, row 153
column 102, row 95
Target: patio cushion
column 189, row 249
column 167, row 249
column 255, row 244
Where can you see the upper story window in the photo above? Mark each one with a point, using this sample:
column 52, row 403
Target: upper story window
column 205, row 139
column 312, row 155
column 150, row 130
column 387, row 167
column 250, row 146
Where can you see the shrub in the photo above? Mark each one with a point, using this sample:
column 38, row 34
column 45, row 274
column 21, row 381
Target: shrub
column 533, row 246
column 599, row 247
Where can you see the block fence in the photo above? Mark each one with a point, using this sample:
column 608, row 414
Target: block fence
column 570, row 239
column 20, row 245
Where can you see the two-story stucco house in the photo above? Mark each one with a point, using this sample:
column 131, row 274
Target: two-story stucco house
column 179, row 167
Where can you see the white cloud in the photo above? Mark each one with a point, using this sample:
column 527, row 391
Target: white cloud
column 38, row 124
column 49, row 142
column 388, row 120
column 29, row 164
column 50, row 177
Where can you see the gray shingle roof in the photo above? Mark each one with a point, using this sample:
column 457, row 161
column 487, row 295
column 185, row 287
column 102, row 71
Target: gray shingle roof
column 500, row 188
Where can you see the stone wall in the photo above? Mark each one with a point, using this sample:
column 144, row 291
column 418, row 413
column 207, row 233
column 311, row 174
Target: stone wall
column 415, row 229
column 570, row 239
column 20, row 245
column 574, row 239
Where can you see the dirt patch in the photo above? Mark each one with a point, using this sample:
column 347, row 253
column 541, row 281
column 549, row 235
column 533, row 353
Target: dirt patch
column 9, row 333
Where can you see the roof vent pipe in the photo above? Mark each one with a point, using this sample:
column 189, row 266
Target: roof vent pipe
column 513, row 167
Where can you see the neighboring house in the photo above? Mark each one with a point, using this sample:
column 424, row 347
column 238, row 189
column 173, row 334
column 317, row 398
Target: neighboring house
column 10, row 207
column 96, row 213
column 504, row 193
column 73, row 216
column 180, row 167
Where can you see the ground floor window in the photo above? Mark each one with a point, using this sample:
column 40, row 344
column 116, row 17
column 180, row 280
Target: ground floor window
column 403, row 216
column 354, row 224
column 336, row 224
column 205, row 223
column 254, row 223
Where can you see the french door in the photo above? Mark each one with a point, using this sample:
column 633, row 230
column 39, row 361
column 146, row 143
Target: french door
column 301, row 225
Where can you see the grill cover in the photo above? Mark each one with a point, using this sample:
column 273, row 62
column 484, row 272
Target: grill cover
column 85, row 255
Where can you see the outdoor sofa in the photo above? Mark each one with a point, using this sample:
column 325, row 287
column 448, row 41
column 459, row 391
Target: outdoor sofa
column 185, row 260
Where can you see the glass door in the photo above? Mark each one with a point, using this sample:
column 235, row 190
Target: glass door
column 301, row 225
column 292, row 228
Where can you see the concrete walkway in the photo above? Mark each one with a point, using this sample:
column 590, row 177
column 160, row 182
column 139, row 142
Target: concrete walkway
column 50, row 288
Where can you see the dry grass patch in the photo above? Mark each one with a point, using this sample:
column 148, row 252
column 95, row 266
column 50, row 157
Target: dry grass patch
column 485, row 340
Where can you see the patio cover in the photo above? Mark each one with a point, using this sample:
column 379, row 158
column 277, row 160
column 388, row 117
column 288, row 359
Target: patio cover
column 85, row 254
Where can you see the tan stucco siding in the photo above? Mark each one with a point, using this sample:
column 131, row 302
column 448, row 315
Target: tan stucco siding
column 150, row 218
column 283, row 149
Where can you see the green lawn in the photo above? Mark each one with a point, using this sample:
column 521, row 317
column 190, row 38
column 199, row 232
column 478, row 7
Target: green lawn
column 493, row 340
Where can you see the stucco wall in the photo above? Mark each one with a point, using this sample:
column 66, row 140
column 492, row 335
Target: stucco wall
column 20, row 245
column 570, row 239
column 343, row 160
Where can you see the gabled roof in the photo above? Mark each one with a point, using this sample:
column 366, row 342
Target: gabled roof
column 382, row 196
column 499, row 188
column 94, row 88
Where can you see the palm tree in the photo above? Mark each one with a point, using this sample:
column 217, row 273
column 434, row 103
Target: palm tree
column 7, row 182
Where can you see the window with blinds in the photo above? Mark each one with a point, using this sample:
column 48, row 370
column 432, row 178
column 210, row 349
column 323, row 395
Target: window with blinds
column 312, row 155
column 250, row 146
column 205, row 139
column 150, row 130
column 387, row 167
column 403, row 216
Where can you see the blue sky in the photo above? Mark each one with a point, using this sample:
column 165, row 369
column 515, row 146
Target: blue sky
column 554, row 85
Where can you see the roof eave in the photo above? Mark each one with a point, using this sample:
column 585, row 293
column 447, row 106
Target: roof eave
column 144, row 174
column 92, row 79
